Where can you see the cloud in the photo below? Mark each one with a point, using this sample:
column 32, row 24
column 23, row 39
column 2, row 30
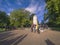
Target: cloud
column 10, row 9
column 18, row 2
column 8, row 3
column 32, row 7
column 39, row 9
column 8, row 13
column 35, row 7
column 0, row 1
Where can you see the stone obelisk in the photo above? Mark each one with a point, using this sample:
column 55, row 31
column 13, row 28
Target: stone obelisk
column 35, row 21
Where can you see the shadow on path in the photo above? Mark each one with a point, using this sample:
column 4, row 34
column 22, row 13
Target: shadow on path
column 18, row 41
column 5, row 35
column 14, row 41
column 48, row 42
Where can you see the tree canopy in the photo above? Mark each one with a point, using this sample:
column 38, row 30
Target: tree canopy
column 20, row 18
column 4, row 19
column 53, row 14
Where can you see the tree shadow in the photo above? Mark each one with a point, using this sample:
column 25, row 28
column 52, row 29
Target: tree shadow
column 20, row 39
column 14, row 41
column 49, row 42
column 5, row 35
column 2, row 37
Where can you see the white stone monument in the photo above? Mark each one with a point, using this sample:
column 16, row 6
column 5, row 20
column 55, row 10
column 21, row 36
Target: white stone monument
column 35, row 20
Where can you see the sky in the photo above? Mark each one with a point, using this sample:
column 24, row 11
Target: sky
column 34, row 6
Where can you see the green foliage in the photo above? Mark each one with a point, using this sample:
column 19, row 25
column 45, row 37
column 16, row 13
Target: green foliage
column 2, row 29
column 20, row 18
column 53, row 14
column 4, row 19
column 31, row 16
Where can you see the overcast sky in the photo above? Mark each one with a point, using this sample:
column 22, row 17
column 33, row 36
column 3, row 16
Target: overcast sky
column 34, row 6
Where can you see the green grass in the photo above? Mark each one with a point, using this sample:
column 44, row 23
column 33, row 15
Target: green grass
column 55, row 28
column 2, row 29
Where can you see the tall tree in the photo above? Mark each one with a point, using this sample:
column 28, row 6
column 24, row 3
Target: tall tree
column 4, row 19
column 19, row 18
column 53, row 8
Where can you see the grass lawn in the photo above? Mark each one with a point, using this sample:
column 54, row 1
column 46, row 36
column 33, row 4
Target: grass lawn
column 55, row 28
column 2, row 29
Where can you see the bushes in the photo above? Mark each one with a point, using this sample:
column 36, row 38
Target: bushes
column 2, row 29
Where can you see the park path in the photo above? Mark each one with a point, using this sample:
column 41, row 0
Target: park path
column 25, row 37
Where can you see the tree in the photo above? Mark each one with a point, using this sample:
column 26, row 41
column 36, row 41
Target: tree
column 31, row 18
column 53, row 7
column 19, row 18
column 4, row 19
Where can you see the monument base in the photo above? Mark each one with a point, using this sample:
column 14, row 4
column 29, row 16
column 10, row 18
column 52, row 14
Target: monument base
column 41, row 30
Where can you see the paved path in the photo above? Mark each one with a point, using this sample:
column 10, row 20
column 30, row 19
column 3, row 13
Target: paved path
column 25, row 37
